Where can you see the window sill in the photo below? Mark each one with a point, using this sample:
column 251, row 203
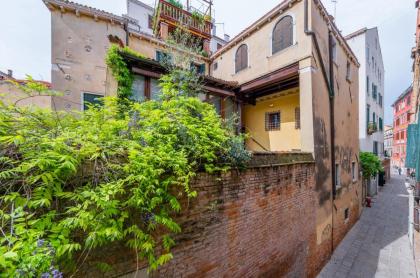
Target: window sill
column 241, row 71
column 278, row 53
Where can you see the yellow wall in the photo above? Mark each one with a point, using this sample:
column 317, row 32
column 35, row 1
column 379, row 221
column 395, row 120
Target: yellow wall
column 285, row 139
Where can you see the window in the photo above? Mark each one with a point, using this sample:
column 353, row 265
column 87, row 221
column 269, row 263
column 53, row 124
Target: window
column 163, row 57
column 216, row 101
column 380, row 100
column 241, row 58
column 138, row 89
column 381, row 127
column 198, row 68
column 215, row 66
column 91, row 99
column 346, row 214
column 337, row 180
column 272, row 121
column 353, row 171
column 145, row 88
column 348, row 71
column 367, row 85
column 375, row 147
column 334, row 51
column 155, row 92
column 367, row 115
column 282, row 34
column 374, row 117
column 150, row 21
column 374, row 91
column 297, row 118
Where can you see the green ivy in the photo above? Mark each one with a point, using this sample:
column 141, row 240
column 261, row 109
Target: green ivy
column 120, row 71
column 371, row 165
column 74, row 182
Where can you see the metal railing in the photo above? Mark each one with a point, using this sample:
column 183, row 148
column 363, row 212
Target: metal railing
column 197, row 23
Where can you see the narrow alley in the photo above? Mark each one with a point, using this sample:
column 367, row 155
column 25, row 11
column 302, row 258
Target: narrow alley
column 378, row 245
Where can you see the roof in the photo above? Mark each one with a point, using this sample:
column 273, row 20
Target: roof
column 356, row 33
column 280, row 8
column 64, row 5
column 5, row 76
column 404, row 94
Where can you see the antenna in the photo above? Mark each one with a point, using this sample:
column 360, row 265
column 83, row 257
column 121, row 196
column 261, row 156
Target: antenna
column 335, row 7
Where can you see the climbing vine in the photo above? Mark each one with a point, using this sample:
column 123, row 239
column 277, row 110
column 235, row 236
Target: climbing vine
column 120, row 71
column 75, row 182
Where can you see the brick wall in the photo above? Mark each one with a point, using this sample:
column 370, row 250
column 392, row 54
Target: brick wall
column 258, row 222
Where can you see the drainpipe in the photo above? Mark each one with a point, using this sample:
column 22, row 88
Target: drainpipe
column 330, row 86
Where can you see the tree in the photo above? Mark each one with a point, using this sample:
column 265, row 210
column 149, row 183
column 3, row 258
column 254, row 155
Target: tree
column 371, row 165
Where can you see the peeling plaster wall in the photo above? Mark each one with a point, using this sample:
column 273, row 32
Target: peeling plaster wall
column 78, row 56
column 331, row 223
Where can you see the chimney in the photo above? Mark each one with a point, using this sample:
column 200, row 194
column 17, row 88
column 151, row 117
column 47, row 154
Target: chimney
column 10, row 73
column 227, row 37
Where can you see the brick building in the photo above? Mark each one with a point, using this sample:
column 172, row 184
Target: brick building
column 402, row 118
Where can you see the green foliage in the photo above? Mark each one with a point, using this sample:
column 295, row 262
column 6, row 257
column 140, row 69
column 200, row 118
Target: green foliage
column 120, row 71
column 371, row 164
column 176, row 3
column 71, row 183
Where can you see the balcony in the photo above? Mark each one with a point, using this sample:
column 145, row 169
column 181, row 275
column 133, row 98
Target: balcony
column 175, row 16
column 372, row 127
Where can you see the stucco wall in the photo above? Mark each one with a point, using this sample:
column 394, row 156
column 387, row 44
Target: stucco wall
column 366, row 46
column 285, row 139
column 330, row 213
column 260, row 59
column 10, row 94
column 78, row 56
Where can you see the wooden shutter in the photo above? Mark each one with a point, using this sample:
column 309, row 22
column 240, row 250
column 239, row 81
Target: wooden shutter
column 283, row 34
column 241, row 58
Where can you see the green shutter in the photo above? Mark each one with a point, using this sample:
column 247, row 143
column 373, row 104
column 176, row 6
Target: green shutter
column 412, row 146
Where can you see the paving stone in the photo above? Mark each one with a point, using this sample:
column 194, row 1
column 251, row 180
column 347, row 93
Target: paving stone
column 378, row 245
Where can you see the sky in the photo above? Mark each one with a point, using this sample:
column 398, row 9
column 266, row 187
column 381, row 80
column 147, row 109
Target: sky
column 25, row 39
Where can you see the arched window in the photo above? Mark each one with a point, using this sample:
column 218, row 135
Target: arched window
column 283, row 34
column 241, row 58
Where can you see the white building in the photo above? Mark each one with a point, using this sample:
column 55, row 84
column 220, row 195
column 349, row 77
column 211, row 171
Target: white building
column 388, row 140
column 365, row 44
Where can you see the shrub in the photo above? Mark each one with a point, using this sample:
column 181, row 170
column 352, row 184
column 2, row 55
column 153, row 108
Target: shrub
column 371, row 165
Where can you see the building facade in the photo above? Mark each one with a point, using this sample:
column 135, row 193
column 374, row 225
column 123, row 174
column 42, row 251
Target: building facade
column 10, row 93
column 290, row 76
column 366, row 45
column 402, row 118
column 388, row 140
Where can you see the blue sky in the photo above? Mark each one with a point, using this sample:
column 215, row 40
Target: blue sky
column 25, row 39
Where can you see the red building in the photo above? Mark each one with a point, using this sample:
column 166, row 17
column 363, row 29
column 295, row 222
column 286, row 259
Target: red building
column 402, row 118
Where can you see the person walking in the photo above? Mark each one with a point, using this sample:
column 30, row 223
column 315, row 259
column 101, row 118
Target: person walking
column 399, row 170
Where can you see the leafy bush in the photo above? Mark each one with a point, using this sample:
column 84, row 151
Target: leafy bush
column 371, row 165
column 73, row 182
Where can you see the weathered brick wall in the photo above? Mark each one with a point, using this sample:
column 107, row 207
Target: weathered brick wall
column 254, row 223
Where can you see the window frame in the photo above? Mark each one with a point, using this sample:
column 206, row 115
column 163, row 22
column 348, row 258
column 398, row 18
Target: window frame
column 82, row 94
column 297, row 118
column 337, row 177
column 236, row 56
column 268, row 126
column 354, row 175
column 293, row 33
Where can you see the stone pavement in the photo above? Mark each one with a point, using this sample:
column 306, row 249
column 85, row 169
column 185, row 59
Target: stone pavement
column 378, row 245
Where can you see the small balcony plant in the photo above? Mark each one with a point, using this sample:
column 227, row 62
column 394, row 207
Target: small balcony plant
column 372, row 128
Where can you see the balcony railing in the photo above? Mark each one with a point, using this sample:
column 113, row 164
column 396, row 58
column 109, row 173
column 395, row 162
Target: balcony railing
column 197, row 23
column 372, row 127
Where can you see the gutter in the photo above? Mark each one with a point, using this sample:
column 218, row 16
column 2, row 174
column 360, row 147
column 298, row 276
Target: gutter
column 330, row 86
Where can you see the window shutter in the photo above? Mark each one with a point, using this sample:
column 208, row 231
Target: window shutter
column 241, row 58
column 297, row 118
column 283, row 34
